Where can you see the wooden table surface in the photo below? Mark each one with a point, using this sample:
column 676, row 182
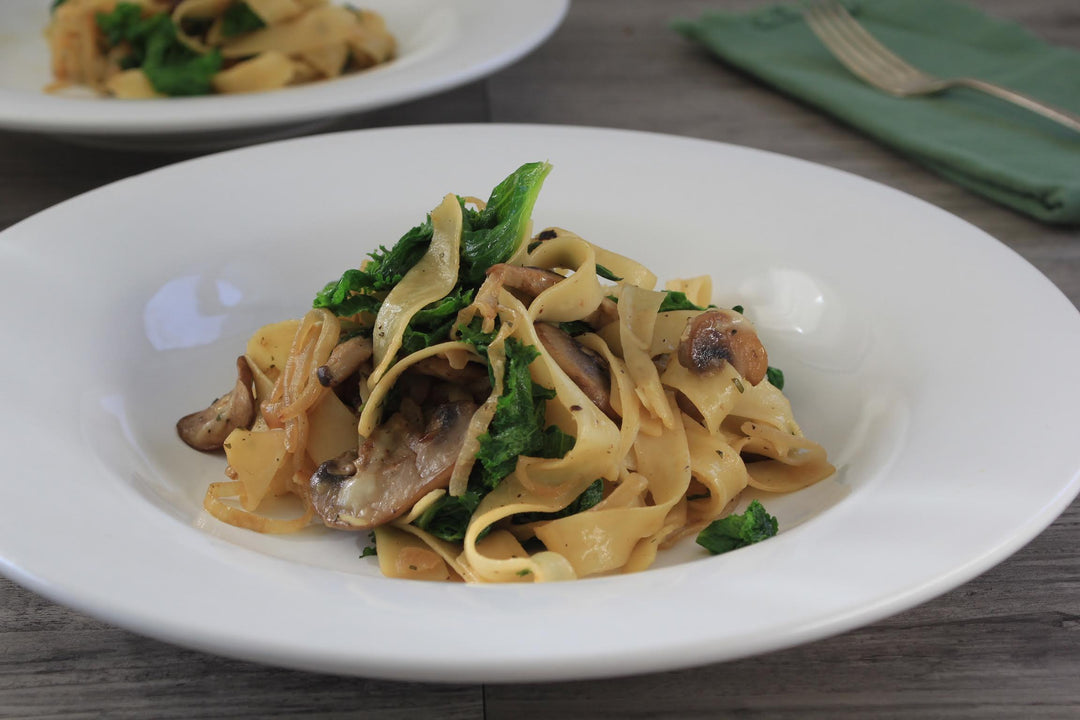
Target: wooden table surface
column 1005, row 645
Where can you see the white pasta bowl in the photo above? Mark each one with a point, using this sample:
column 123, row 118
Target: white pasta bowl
column 902, row 331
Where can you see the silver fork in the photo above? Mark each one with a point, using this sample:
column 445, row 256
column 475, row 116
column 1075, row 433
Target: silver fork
column 867, row 58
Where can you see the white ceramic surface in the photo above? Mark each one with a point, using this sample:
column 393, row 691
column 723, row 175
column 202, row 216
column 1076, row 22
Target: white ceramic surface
column 905, row 333
column 441, row 44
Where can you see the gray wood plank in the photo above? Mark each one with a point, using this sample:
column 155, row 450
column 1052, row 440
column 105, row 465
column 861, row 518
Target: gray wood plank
column 98, row 671
column 55, row 663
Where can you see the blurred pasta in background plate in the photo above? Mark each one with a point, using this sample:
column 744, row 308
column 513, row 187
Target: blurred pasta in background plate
column 156, row 48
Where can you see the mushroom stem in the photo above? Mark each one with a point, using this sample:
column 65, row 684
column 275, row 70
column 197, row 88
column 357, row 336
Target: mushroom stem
column 344, row 360
column 207, row 429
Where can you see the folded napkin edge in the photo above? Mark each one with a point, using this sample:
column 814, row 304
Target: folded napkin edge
column 1054, row 200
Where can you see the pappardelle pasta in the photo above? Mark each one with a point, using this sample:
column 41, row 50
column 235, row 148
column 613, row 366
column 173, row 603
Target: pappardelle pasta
column 497, row 406
column 135, row 49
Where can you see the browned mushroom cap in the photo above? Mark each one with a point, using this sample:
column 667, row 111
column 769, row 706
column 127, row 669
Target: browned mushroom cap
column 718, row 336
column 587, row 369
column 344, row 360
column 207, row 429
column 526, row 282
column 398, row 465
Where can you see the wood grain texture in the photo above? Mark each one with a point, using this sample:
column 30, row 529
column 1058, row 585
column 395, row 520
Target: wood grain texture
column 1005, row 645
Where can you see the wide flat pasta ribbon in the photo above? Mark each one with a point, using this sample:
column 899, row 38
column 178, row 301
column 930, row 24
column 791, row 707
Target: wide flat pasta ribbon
column 317, row 28
column 430, row 279
column 545, row 484
column 717, row 467
column 794, row 462
column 629, row 271
column 603, row 540
column 371, row 414
column 637, row 318
column 579, row 294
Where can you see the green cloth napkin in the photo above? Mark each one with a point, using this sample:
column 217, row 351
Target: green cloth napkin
column 1008, row 154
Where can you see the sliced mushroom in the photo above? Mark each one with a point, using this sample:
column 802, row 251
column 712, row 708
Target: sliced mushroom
column 450, row 383
column 526, row 282
column 587, row 369
column 344, row 360
column 207, row 429
column 437, row 449
column 398, row 465
column 439, row 367
column 718, row 336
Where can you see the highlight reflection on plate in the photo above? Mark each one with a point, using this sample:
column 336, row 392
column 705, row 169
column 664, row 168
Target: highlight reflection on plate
column 896, row 365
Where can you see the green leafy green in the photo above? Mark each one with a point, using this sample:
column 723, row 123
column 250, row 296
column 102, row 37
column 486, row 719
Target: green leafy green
column 448, row 517
column 56, row 4
column 369, row 550
column 675, row 300
column 554, row 442
column 347, row 296
column 494, row 234
column 387, row 267
column 124, row 23
column 238, row 19
column 606, row 274
column 775, row 376
column 736, row 531
column 517, row 427
column 475, row 336
column 738, row 309
column 432, row 324
column 391, row 265
column 575, row 327
column 173, row 70
column 488, row 237
column 437, row 312
column 171, row 67
column 352, row 293
column 589, row 497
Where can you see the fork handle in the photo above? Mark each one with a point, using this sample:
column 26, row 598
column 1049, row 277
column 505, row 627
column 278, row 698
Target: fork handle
column 1061, row 116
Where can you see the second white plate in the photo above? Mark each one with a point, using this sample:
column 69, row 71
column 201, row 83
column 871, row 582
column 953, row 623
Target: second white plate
column 441, row 45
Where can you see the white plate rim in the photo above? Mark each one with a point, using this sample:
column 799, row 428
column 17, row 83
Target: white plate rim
column 495, row 34
column 571, row 660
